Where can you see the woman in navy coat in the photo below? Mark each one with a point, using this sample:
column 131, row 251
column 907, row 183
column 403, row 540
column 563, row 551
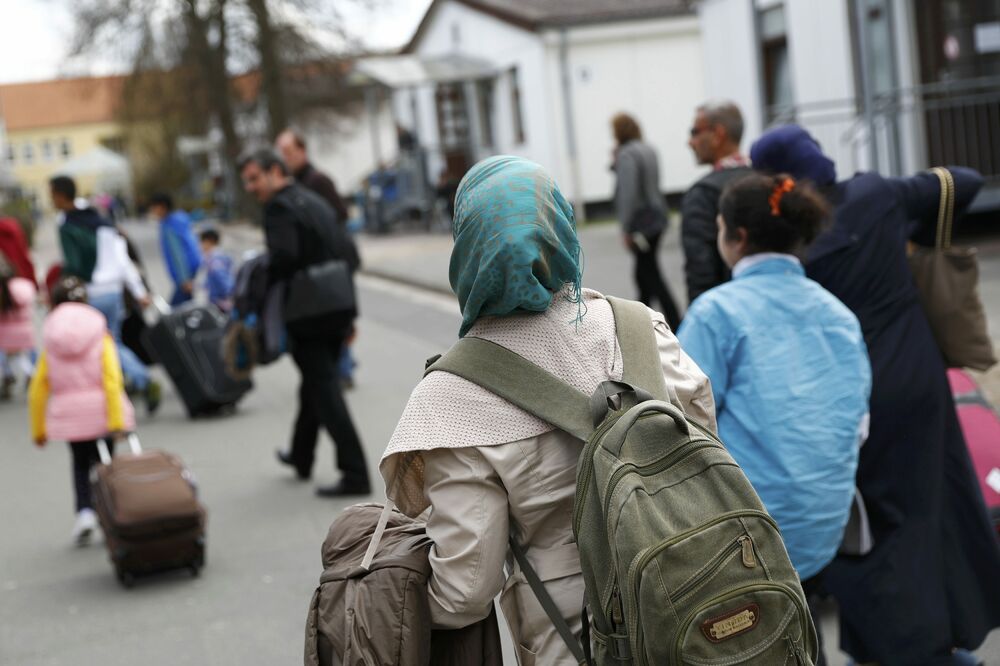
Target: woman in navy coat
column 932, row 581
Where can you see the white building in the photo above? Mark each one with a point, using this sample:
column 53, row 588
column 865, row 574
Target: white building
column 898, row 85
column 542, row 79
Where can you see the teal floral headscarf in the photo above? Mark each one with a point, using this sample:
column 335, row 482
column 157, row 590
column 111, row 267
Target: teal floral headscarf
column 515, row 241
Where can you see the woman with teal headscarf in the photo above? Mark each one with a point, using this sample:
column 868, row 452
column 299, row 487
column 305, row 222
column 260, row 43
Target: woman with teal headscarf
column 485, row 467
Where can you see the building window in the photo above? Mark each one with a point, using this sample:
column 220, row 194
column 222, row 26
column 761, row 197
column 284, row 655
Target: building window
column 114, row 143
column 27, row 153
column 11, row 153
column 778, row 94
column 515, row 106
column 47, row 150
column 65, row 148
column 484, row 102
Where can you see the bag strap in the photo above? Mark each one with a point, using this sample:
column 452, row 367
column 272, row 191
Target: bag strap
column 640, row 356
column 383, row 518
column 548, row 605
column 946, row 208
column 519, row 381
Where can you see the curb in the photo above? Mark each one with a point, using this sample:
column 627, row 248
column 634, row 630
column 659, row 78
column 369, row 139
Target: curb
column 422, row 285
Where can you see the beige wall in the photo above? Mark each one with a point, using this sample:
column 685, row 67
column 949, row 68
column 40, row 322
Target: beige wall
column 34, row 176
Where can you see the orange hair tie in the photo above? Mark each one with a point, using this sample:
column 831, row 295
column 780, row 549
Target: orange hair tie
column 785, row 186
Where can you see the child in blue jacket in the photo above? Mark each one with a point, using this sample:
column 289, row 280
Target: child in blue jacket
column 788, row 364
column 219, row 280
column 180, row 248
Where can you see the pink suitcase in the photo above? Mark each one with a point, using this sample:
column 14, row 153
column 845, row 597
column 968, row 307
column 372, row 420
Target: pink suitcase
column 981, row 427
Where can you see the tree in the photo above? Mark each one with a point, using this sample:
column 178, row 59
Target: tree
column 186, row 59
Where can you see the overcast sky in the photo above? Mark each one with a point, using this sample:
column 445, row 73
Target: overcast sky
column 35, row 36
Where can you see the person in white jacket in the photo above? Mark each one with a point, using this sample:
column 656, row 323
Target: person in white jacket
column 94, row 251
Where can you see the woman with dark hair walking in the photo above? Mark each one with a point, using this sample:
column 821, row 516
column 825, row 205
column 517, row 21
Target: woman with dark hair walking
column 932, row 581
column 641, row 211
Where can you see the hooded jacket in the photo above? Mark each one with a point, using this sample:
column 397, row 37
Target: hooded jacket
column 77, row 393
column 17, row 333
column 180, row 248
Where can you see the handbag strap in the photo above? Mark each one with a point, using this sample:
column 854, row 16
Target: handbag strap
column 946, row 208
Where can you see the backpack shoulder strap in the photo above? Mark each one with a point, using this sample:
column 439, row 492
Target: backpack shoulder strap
column 640, row 356
column 519, row 381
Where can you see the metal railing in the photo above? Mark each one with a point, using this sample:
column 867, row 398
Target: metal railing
column 954, row 122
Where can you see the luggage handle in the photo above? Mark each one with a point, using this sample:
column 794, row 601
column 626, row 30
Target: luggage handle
column 105, row 453
column 158, row 308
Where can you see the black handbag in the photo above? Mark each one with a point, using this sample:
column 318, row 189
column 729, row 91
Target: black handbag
column 320, row 289
column 323, row 288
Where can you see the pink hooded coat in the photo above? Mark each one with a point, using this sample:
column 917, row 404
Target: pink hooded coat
column 78, row 381
column 17, row 331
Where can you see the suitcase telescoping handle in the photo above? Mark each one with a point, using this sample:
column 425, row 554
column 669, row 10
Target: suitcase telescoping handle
column 158, row 308
column 105, row 454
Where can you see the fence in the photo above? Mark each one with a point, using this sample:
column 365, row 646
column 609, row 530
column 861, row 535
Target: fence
column 954, row 122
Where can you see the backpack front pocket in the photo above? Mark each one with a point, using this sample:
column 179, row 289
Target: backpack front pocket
column 755, row 624
column 670, row 579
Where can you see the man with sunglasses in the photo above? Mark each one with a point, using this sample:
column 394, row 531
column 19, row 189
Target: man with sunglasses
column 715, row 140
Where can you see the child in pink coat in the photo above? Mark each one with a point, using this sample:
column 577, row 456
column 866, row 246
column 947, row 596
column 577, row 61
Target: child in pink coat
column 17, row 332
column 78, row 392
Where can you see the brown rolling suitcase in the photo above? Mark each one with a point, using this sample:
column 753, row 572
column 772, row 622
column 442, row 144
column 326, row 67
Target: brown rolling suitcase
column 149, row 511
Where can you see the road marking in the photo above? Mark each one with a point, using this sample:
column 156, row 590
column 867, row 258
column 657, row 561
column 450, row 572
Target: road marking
column 408, row 292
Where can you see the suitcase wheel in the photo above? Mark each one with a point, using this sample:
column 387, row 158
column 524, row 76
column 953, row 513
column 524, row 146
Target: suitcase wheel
column 126, row 579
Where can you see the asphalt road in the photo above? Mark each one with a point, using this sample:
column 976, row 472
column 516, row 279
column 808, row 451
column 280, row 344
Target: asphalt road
column 62, row 605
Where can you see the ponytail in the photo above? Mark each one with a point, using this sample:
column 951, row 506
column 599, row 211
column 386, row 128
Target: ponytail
column 778, row 213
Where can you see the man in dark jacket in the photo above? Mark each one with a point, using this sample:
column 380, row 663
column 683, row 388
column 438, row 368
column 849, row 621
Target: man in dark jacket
column 715, row 140
column 301, row 231
column 292, row 146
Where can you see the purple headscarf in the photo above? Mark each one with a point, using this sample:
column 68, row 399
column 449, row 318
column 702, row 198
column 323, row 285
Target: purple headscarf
column 792, row 150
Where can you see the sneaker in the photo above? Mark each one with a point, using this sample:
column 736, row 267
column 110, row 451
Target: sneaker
column 962, row 657
column 153, row 393
column 86, row 523
column 7, row 387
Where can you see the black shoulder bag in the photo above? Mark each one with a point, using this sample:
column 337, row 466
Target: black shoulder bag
column 322, row 288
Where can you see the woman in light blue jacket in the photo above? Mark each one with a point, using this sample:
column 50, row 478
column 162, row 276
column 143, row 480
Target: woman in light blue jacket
column 788, row 365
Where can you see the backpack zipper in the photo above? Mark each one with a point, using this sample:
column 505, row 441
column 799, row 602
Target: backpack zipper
column 735, row 546
column 746, row 544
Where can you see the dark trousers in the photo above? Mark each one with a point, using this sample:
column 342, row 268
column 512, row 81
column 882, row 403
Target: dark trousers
column 651, row 282
column 813, row 588
column 321, row 403
column 85, row 456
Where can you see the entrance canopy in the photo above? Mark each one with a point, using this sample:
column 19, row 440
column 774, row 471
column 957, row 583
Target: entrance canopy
column 407, row 71
column 109, row 169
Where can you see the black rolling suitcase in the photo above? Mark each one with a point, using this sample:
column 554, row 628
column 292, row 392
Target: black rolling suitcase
column 187, row 342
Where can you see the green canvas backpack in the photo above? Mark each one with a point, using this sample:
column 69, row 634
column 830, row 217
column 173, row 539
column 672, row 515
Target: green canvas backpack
column 682, row 564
